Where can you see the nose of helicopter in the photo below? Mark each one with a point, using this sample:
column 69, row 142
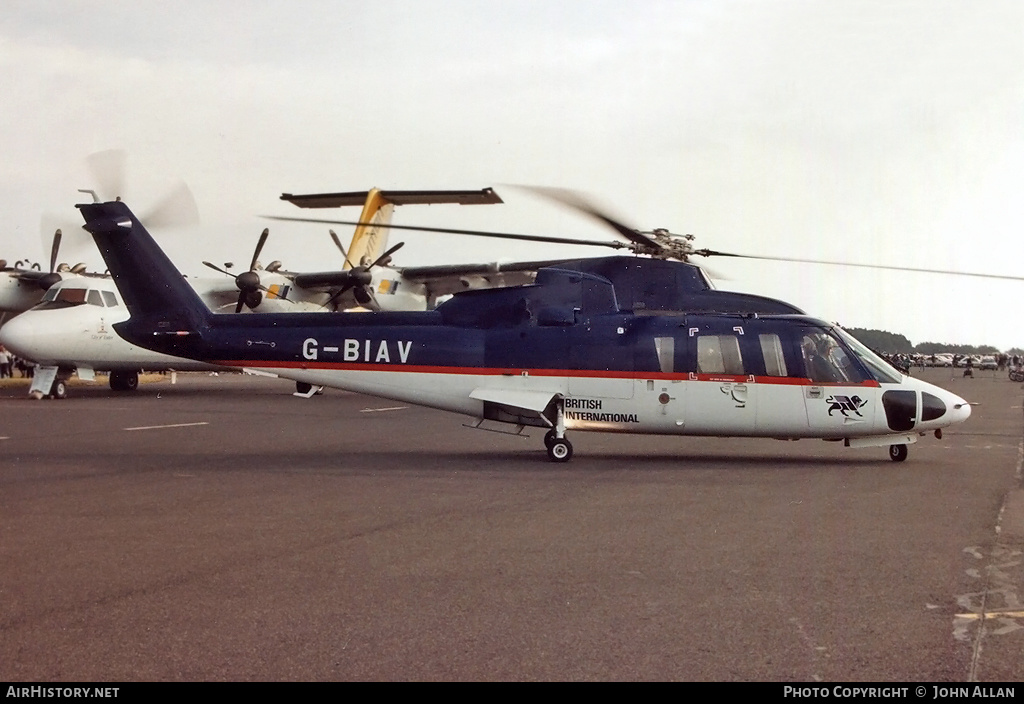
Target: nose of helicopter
column 940, row 408
column 959, row 410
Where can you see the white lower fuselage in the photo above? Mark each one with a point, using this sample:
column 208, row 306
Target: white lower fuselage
column 783, row 408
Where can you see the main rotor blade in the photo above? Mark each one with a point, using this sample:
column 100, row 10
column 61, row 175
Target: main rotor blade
column 578, row 202
column 948, row 272
column 451, row 231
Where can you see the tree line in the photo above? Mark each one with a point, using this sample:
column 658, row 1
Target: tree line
column 884, row 341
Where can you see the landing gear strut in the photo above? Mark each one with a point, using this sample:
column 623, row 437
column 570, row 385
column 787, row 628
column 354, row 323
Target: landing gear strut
column 559, row 447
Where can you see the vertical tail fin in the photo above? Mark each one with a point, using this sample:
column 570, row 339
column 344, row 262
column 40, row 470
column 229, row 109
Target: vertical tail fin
column 370, row 239
column 156, row 294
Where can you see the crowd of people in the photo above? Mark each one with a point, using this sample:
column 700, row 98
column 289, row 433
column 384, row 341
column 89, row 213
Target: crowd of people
column 10, row 364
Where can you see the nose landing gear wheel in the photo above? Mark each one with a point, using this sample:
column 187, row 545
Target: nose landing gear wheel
column 560, row 450
column 898, row 453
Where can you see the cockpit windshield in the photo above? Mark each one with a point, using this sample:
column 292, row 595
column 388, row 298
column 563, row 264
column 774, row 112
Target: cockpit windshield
column 826, row 361
column 878, row 367
column 66, row 297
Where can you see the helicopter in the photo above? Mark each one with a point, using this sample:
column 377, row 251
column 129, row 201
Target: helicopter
column 579, row 349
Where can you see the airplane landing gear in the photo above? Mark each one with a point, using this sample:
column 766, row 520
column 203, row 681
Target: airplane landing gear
column 559, row 448
column 898, row 453
column 124, row 381
column 59, row 389
column 549, row 438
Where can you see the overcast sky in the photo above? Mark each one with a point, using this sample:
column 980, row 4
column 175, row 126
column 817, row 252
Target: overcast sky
column 872, row 132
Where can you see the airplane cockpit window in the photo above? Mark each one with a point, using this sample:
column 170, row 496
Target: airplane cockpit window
column 94, row 299
column 71, row 296
column 64, row 298
column 109, row 298
column 826, row 361
column 719, row 354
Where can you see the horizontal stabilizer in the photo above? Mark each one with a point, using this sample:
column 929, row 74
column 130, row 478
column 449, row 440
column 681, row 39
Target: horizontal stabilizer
column 485, row 196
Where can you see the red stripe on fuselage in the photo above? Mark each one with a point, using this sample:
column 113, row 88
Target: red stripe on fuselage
column 504, row 371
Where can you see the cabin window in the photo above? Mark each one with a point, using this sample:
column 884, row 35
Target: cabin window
column 774, row 361
column 666, row 350
column 93, row 297
column 719, row 354
column 110, row 299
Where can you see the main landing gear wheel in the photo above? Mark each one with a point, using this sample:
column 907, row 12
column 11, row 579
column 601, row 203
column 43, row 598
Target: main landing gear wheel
column 549, row 438
column 898, row 453
column 59, row 389
column 560, row 450
column 302, row 387
column 124, row 381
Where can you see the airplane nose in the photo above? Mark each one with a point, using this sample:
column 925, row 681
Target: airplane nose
column 19, row 335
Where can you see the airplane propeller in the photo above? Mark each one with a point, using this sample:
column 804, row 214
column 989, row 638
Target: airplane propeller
column 359, row 277
column 32, row 273
column 248, row 282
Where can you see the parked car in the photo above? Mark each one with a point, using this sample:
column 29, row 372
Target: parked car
column 988, row 361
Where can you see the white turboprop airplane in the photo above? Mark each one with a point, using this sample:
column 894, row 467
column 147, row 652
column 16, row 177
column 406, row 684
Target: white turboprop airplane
column 71, row 328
